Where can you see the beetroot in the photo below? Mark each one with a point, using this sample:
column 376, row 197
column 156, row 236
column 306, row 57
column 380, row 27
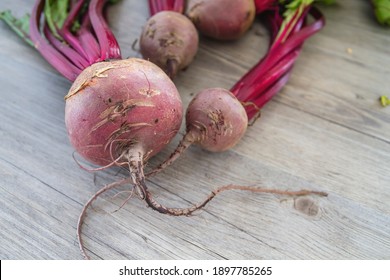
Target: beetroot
column 170, row 40
column 113, row 107
column 216, row 120
column 222, row 19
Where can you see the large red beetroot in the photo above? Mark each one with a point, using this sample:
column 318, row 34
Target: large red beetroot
column 119, row 109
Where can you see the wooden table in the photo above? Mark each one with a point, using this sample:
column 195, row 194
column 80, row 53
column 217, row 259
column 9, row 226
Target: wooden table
column 324, row 131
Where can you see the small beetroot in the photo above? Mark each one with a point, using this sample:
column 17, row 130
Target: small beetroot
column 222, row 19
column 215, row 120
column 170, row 40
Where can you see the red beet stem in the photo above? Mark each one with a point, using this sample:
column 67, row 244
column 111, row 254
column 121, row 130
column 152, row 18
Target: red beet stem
column 265, row 5
column 109, row 47
column 178, row 6
column 153, row 7
column 274, row 21
column 253, row 111
column 261, row 83
column 66, row 33
column 68, row 52
column 50, row 53
column 288, row 26
column 73, row 13
column 88, row 40
column 156, row 6
column 272, row 76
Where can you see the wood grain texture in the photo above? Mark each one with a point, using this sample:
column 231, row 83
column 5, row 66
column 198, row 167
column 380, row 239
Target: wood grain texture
column 325, row 131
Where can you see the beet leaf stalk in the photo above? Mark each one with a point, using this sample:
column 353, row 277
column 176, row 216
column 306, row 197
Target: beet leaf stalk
column 68, row 50
column 156, row 6
column 272, row 72
column 265, row 5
